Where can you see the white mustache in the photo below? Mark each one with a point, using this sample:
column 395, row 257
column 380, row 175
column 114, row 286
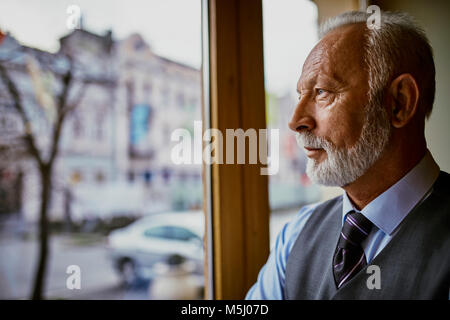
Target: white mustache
column 309, row 140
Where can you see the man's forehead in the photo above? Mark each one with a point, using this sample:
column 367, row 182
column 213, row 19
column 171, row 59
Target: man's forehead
column 309, row 79
column 338, row 52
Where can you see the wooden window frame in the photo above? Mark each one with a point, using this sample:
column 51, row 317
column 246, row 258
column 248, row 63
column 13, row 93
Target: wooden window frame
column 236, row 195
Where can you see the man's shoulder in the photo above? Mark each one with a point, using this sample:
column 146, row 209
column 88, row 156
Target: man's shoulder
column 288, row 235
column 328, row 207
column 317, row 208
column 329, row 204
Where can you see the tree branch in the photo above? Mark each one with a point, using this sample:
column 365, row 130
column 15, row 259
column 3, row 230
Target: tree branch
column 64, row 108
column 70, row 107
column 17, row 102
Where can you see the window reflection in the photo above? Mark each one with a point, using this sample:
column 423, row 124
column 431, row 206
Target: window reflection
column 117, row 206
column 290, row 31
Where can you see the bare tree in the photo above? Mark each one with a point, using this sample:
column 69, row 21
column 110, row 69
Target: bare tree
column 44, row 160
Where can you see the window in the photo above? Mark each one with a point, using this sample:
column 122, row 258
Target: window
column 165, row 99
column 100, row 177
column 162, row 232
column 76, row 177
column 182, row 234
column 131, row 176
column 115, row 168
column 289, row 188
column 233, row 95
column 170, row 233
column 100, row 125
column 77, row 125
column 147, row 92
column 180, row 100
column 238, row 193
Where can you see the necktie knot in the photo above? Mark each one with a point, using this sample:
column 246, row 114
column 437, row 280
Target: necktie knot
column 355, row 230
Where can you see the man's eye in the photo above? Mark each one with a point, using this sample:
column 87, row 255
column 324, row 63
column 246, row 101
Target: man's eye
column 321, row 91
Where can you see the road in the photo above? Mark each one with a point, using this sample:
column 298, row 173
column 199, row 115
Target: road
column 18, row 259
column 98, row 279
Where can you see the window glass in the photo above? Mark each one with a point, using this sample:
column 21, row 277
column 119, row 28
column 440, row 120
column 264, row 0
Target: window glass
column 158, row 232
column 182, row 234
column 114, row 80
column 290, row 32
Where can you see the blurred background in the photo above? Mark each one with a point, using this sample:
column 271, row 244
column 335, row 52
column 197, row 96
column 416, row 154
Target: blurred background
column 99, row 88
column 89, row 97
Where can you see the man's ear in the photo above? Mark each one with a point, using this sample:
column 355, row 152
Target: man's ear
column 404, row 94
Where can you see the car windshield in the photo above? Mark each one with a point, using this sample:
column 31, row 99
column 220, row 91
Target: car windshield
column 170, row 232
column 158, row 232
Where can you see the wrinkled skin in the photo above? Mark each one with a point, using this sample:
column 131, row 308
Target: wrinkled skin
column 333, row 92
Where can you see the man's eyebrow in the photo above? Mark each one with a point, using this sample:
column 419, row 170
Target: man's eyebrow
column 306, row 82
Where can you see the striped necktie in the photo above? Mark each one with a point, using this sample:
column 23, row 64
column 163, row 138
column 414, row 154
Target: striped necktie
column 349, row 257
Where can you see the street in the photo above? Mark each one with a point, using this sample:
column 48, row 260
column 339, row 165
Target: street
column 99, row 281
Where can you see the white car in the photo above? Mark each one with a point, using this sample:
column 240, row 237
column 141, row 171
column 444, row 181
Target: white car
column 136, row 248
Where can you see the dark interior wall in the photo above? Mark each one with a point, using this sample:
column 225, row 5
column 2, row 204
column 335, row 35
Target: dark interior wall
column 434, row 16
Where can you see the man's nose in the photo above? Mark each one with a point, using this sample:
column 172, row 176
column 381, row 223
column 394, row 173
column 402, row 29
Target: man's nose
column 301, row 120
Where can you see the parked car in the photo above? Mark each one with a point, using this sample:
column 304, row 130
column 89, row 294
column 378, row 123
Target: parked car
column 135, row 249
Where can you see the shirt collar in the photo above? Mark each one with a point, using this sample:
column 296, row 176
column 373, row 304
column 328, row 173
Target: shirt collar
column 389, row 209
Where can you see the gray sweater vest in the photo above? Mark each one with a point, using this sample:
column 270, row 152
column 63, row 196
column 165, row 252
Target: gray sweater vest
column 415, row 264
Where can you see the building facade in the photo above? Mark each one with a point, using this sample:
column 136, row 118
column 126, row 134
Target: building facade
column 114, row 152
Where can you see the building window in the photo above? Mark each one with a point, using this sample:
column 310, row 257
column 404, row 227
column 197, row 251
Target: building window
column 165, row 97
column 99, row 177
column 130, row 176
column 100, row 125
column 148, row 177
column 147, row 92
column 76, row 177
column 180, row 100
column 193, row 104
column 77, row 125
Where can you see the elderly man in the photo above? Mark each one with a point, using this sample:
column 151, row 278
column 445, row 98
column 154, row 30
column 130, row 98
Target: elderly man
column 364, row 95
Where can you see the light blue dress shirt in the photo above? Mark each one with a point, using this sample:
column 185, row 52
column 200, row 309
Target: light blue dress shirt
column 386, row 212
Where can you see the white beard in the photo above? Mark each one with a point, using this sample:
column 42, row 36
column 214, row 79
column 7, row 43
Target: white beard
column 343, row 166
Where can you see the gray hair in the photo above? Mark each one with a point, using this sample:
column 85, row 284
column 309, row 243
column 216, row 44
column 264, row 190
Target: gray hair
column 399, row 46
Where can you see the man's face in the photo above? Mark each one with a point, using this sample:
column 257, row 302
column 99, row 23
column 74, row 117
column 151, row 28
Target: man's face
column 342, row 131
